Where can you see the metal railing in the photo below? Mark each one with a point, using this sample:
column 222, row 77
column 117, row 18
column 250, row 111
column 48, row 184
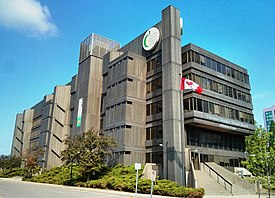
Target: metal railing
column 219, row 178
column 193, row 179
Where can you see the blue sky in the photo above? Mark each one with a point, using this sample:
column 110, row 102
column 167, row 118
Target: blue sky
column 39, row 43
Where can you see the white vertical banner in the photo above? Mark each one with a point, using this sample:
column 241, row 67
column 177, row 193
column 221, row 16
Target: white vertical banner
column 79, row 112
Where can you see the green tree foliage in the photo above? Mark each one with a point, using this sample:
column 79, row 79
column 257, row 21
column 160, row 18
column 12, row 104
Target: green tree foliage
column 9, row 162
column 89, row 150
column 260, row 153
column 272, row 135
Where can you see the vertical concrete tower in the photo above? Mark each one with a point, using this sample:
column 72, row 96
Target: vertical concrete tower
column 173, row 145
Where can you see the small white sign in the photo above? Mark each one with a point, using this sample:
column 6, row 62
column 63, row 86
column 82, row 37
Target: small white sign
column 137, row 166
column 153, row 175
column 150, row 39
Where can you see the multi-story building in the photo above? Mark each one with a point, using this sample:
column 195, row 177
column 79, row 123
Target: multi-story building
column 133, row 94
column 269, row 116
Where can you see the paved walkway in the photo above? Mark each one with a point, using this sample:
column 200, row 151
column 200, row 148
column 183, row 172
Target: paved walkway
column 111, row 193
column 238, row 196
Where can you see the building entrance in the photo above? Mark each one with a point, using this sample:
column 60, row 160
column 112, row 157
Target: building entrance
column 195, row 156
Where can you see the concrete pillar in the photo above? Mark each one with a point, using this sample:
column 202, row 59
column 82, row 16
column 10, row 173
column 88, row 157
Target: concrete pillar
column 171, row 73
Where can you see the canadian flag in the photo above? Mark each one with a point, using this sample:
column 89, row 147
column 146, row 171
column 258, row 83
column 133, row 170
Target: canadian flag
column 189, row 84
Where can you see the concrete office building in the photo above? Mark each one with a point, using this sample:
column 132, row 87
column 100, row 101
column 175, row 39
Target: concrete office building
column 132, row 94
column 269, row 116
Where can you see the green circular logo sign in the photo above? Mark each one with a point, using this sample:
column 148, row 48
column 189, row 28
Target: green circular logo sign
column 150, row 39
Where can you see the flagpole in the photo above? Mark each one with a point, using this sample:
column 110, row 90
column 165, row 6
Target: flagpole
column 182, row 135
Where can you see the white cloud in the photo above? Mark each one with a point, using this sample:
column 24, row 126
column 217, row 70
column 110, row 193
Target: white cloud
column 27, row 16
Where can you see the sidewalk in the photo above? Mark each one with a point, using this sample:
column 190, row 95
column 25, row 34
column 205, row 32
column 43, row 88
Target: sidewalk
column 239, row 196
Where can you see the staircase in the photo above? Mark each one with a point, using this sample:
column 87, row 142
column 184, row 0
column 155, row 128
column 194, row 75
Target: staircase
column 217, row 180
column 239, row 185
column 211, row 186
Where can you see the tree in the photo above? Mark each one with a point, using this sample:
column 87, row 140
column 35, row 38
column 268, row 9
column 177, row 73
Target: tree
column 9, row 162
column 89, row 150
column 260, row 153
column 272, row 131
column 30, row 159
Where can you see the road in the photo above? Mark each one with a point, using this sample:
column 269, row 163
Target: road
column 15, row 188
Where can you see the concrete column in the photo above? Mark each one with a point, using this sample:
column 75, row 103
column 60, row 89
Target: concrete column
column 27, row 126
column 171, row 73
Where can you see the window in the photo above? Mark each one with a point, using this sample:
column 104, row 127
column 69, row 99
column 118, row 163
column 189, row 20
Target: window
column 191, row 104
column 197, row 57
column 215, row 86
column 232, row 113
column 237, row 117
column 223, row 69
column 207, row 62
column 211, row 107
column 148, row 111
column 186, row 105
column 232, row 73
column 199, row 103
column 184, row 58
column 159, row 83
column 205, row 106
column 222, row 111
column 148, row 87
column 226, row 112
column 241, row 116
column 242, row 77
column 204, row 82
column 219, row 88
column 225, row 90
column 216, row 109
column 209, row 84
column 202, row 60
column 198, row 79
column 237, row 74
column 228, row 71
column 214, row 65
column 219, row 69
column 229, row 91
column 148, row 134
column 246, row 79
column 234, row 93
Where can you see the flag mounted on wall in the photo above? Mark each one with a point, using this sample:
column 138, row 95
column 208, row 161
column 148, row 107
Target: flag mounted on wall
column 189, row 84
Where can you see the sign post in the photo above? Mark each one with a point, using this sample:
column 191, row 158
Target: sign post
column 153, row 179
column 137, row 167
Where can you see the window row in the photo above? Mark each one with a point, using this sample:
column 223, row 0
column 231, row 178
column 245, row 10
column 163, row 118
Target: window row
column 212, row 85
column 154, row 132
column 154, row 108
column 154, row 85
column 216, row 109
column 122, row 60
column 214, row 65
column 154, row 63
column 119, row 104
column 118, row 83
column 119, row 128
column 207, row 138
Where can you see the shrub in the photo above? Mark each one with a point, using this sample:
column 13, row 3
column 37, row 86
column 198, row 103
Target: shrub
column 58, row 175
column 11, row 172
column 123, row 178
column 119, row 178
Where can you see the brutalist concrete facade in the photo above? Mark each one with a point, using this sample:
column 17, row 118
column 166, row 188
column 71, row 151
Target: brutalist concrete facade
column 132, row 94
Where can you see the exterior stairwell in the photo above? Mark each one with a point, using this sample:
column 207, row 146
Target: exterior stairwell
column 210, row 185
column 239, row 185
